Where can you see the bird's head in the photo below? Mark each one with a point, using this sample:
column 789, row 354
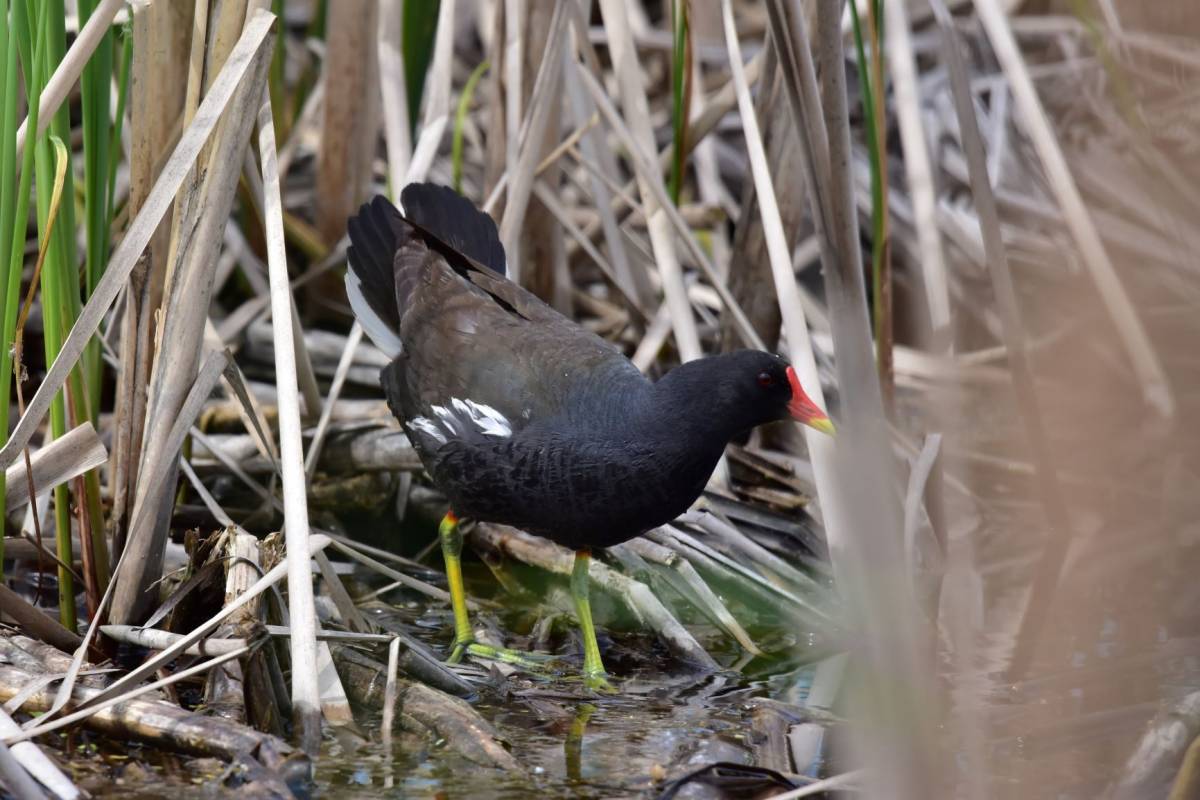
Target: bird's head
column 747, row 388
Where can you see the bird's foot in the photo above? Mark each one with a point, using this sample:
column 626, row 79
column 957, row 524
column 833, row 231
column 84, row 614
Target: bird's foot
column 598, row 682
column 535, row 662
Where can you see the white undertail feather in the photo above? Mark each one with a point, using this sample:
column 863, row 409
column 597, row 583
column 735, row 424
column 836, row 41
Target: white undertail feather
column 380, row 332
column 462, row 414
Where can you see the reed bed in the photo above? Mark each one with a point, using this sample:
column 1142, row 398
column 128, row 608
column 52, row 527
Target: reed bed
column 967, row 224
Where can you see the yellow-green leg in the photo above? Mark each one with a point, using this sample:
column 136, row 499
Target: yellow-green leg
column 452, row 542
column 464, row 637
column 594, row 676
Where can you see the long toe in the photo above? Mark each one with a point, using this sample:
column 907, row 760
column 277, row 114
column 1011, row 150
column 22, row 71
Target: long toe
column 534, row 662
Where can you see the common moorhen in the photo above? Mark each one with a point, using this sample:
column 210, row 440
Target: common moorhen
column 524, row 418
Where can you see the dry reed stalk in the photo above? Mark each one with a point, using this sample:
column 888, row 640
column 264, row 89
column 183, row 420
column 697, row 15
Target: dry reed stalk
column 157, row 92
column 15, row 777
column 920, row 174
column 719, row 104
column 394, row 107
column 153, row 721
column 750, row 277
column 632, row 282
column 438, row 77
column 205, row 205
column 156, row 639
column 312, row 457
column 60, row 460
column 351, row 75
column 225, row 691
column 562, row 215
column 335, row 704
column 36, row 622
column 511, row 64
column 637, row 113
column 877, row 595
column 437, row 100
column 38, row 764
column 389, row 695
column 847, row 780
column 1016, row 347
column 537, row 241
column 251, row 413
column 651, row 180
column 222, row 34
column 306, row 695
column 137, row 236
column 161, row 37
column 270, row 579
column 922, row 190
column 1032, row 117
column 157, row 84
column 156, row 482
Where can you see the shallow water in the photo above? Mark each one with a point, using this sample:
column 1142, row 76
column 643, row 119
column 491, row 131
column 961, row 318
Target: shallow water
column 1119, row 639
column 665, row 720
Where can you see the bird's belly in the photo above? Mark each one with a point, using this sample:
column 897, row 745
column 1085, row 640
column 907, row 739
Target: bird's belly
column 583, row 504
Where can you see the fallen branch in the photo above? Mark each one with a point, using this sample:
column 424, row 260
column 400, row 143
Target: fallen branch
column 163, row 724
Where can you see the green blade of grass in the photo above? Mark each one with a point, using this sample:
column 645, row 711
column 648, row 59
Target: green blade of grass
column 114, row 155
column 33, row 44
column 97, row 133
column 681, row 92
column 870, row 89
column 460, row 118
column 417, row 38
column 41, row 50
column 12, row 233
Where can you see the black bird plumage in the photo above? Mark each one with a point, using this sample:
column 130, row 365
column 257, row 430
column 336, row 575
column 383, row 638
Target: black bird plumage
column 520, row 415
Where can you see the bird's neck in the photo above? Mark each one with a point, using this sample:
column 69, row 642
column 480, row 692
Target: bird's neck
column 689, row 406
column 683, row 427
column 676, row 421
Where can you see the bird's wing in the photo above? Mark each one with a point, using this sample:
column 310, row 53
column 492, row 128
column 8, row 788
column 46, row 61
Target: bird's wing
column 481, row 354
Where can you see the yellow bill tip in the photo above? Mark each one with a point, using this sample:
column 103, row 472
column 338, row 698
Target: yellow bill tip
column 822, row 424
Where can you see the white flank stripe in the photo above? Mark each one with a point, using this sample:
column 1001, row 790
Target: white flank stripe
column 446, row 418
column 490, row 421
column 465, row 416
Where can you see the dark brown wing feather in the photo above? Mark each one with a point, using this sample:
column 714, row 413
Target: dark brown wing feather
column 474, row 335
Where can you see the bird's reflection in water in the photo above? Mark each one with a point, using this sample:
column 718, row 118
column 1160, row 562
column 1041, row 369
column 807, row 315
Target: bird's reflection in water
column 573, row 747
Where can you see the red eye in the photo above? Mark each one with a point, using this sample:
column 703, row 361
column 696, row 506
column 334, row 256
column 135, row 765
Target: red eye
column 766, row 380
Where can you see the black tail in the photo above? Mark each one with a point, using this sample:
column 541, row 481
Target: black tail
column 376, row 232
column 455, row 221
column 435, row 218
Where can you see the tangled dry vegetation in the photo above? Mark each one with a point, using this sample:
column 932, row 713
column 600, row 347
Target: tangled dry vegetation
column 968, row 227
